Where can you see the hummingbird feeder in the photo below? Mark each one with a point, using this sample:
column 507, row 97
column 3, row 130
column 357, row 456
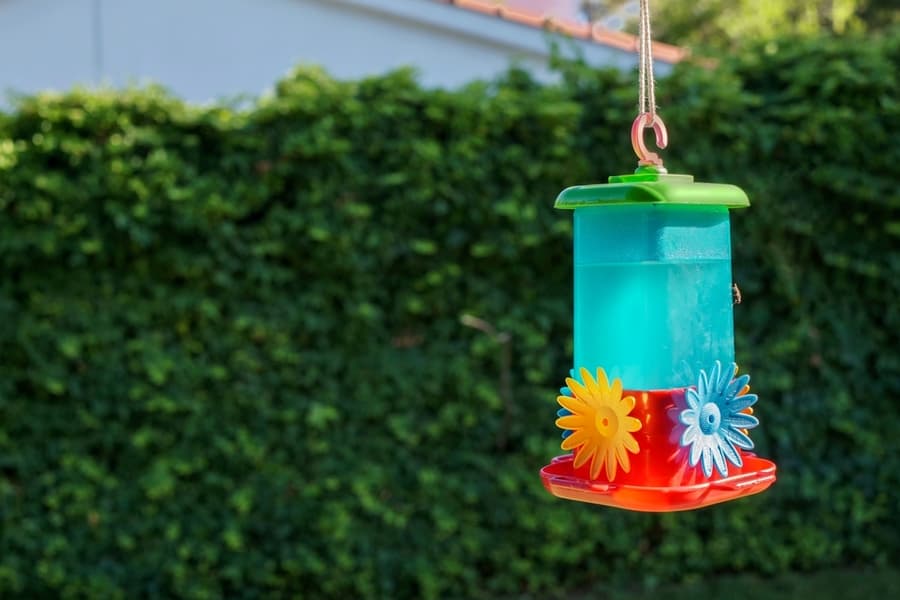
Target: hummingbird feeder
column 655, row 413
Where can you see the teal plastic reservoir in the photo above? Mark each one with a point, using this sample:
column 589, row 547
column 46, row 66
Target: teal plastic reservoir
column 653, row 286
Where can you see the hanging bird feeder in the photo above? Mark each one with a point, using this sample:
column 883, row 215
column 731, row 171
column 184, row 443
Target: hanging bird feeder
column 655, row 413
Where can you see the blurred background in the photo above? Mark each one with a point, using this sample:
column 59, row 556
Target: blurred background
column 284, row 303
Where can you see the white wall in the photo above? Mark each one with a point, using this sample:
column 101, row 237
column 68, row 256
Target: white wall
column 47, row 44
column 210, row 49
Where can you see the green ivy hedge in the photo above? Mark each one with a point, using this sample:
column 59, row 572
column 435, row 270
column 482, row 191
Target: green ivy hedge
column 234, row 363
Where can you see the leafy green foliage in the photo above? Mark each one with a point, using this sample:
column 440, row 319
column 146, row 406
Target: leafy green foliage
column 836, row 584
column 233, row 362
column 720, row 25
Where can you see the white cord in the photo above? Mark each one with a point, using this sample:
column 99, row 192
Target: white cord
column 647, row 84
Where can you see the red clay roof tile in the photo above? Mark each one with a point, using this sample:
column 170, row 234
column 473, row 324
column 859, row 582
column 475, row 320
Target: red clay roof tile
column 576, row 29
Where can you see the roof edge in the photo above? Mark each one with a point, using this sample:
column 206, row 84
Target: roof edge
column 585, row 31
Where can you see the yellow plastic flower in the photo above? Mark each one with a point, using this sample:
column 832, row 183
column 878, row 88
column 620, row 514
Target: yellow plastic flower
column 600, row 425
column 744, row 391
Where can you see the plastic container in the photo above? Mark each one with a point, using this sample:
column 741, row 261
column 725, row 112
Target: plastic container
column 653, row 308
column 652, row 256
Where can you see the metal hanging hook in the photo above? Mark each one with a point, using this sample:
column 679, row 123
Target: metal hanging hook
column 649, row 121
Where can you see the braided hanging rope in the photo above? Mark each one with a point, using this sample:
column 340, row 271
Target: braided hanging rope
column 647, row 85
column 647, row 117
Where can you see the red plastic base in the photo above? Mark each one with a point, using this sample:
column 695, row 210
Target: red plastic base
column 682, row 493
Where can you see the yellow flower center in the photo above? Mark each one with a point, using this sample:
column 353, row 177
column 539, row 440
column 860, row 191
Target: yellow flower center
column 606, row 421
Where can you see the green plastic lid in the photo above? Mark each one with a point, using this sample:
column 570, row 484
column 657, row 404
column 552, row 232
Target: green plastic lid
column 648, row 186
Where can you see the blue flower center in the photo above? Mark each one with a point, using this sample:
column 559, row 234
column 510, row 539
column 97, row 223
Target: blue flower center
column 710, row 417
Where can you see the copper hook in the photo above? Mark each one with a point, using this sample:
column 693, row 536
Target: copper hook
column 647, row 121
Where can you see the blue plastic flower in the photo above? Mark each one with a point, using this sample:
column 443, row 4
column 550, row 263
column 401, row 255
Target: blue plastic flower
column 565, row 391
column 714, row 422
